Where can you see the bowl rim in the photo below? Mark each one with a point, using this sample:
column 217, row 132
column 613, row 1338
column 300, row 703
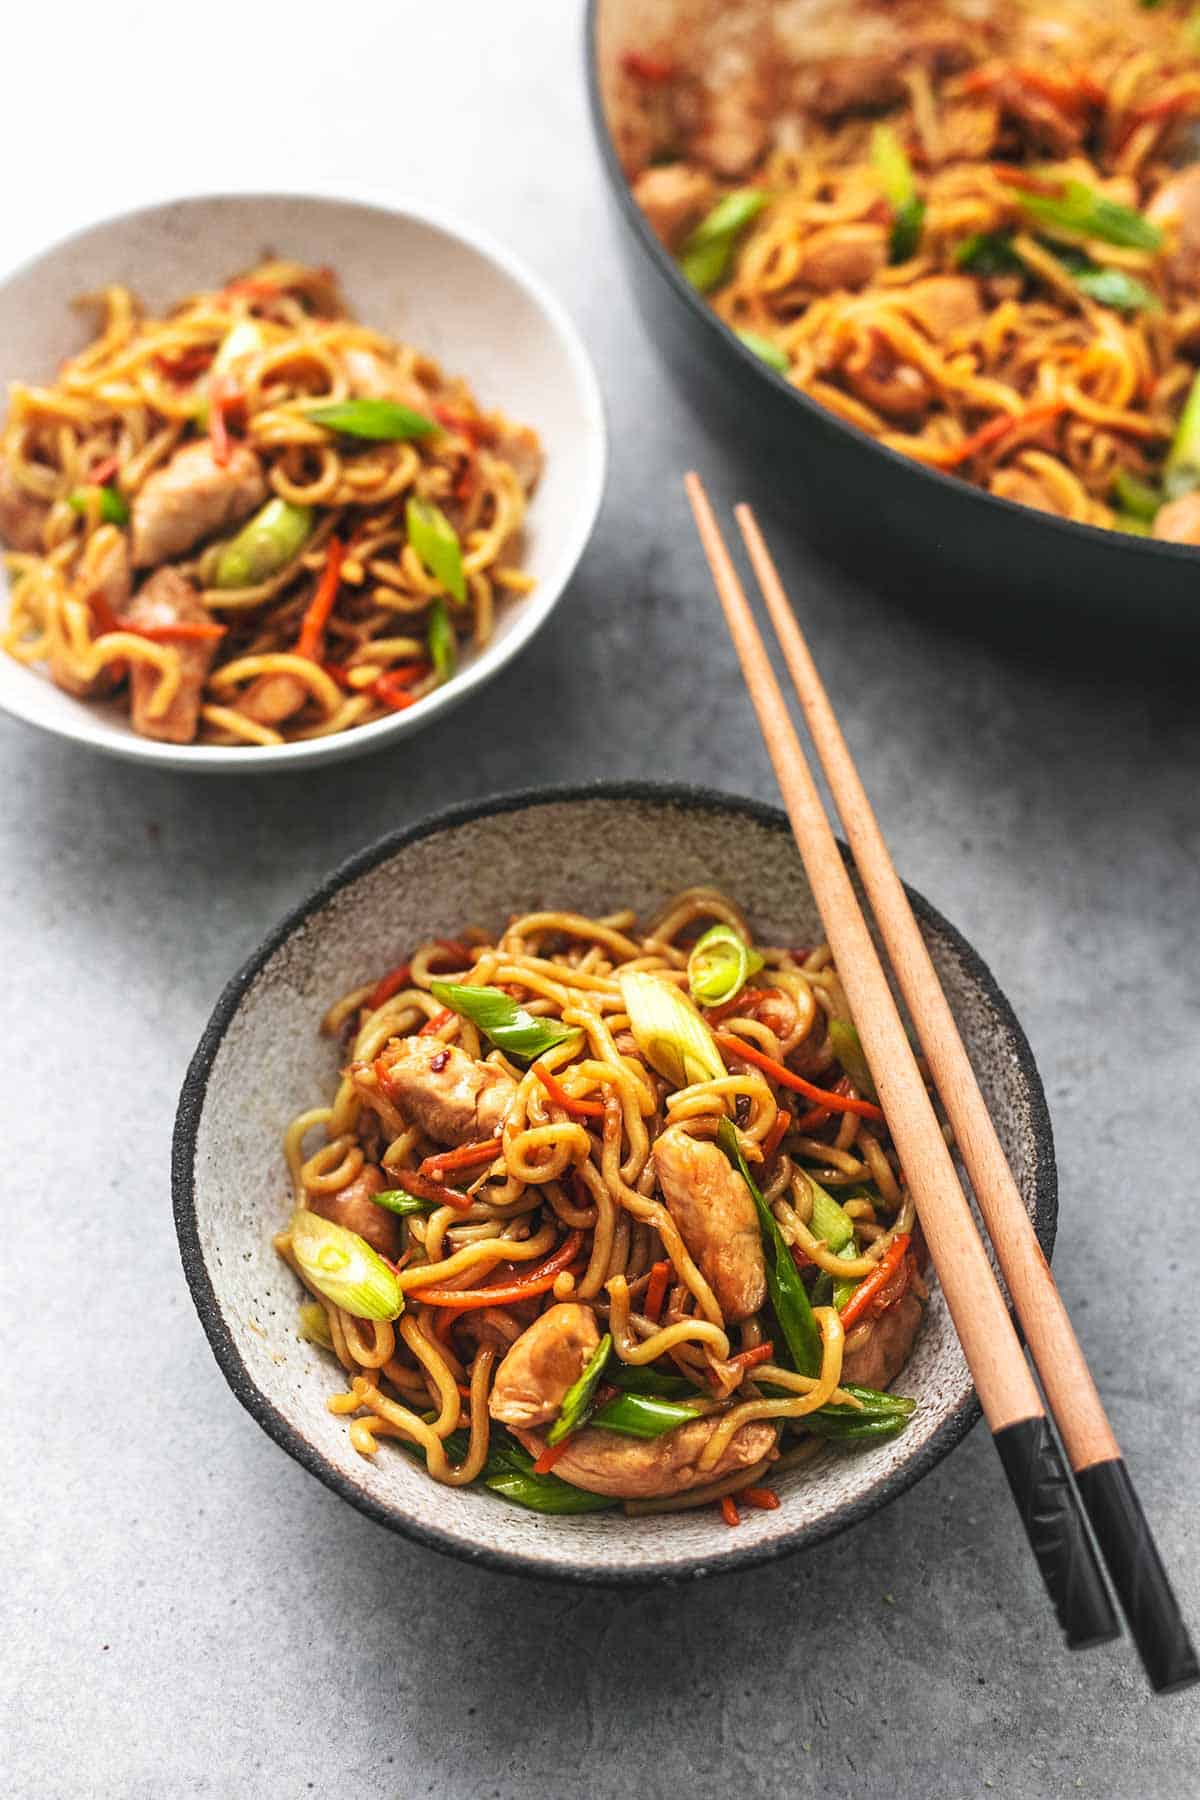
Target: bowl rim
column 95, row 733
column 726, row 344
column 224, row 1347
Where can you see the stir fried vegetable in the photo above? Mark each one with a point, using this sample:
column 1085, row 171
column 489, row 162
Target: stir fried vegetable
column 638, row 1378
column 509, row 1472
column 443, row 647
column 719, row 966
column 436, row 543
column 988, row 253
column 900, row 187
column 765, row 350
column 517, row 1032
column 708, row 253
column 313, row 1324
column 577, row 1401
column 343, row 1267
column 669, row 1031
column 1082, row 210
column 784, row 1286
column 847, row 1047
column 1135, row 497
column 266, row 544
column 378, row 421
column 868, row 1289
column 642, row 1415
column 404, row 1205
column 1182, row 472
column 114, row 508
column 878, row 1416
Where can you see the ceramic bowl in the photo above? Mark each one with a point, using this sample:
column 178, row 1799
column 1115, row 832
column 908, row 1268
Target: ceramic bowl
column 407, row 272
column 261, row 1061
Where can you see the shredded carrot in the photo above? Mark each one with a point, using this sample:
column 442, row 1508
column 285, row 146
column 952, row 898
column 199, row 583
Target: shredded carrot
column 434, row 1025
column 750, row 1359
column 736, row 1046
column 186, row 364
column 104, row 471
column 550, row 1456
column 1014, row 176
column 820, row 1115
column 521, row 1287
column 654, row 70
column 868, row 1289
column 766, row 1499
column 777, row 1133
column 467, row 1156
column 312, row 626
column 387, row 985
column 478, row 431
column 392, row 687
column 656, row 1288
column 728, row 1510
column 580, row 1109
column 995, row 431
column 220, row 395
column 183, row 630
column 250, row 290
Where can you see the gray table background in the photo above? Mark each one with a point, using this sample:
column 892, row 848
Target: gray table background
column 187, row 1612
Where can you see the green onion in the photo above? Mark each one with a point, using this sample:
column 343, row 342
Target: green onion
column 1182, row 472
column 1113, row 287
column 577, row 1401
column 641, row 1378
column 379, row 421
column 395, row 1200
column 545, row 1493
column 988, row 253
column 669, row 1031
column 787, row 1291
column 1135, row 497
column 265, row 544
column 879, row 1416
column 114, row 508
column 830, row 1221
column 1081, row 209
column 314, row 1324
column 517, row 1032
column 241, row 340
column 435, row 541
column 344, row 1268
column 899, row 184
column 766, row 351
column 642, row 1415
column 720, row 963
column 706, row 256
column 1131, row 526
column 443, row 646
column 847, row 1047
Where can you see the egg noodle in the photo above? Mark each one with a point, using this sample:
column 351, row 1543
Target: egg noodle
column 247, row 365
column 563, row 1203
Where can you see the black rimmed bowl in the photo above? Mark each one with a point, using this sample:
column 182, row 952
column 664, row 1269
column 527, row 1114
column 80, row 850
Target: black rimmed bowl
column 927, row 538
column 261, row 1061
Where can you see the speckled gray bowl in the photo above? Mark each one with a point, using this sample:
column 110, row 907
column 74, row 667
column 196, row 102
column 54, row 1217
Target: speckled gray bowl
column 261, row 1061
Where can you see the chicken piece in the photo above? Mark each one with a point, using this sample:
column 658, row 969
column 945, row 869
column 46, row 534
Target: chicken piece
column 876, row 1362
column 712, row 1207
column 842, row 256
column 543, row 1363
column 734, row 135
column 520, row 446
column 273, row 698
column 1042, row 124
column 1178, row 522
column 192, row 497
column 104, row 571
column 453, row 1098
column 168, row 598
column 353, row 1207
column 1019, row 485
column 629, row 1468
column 873, row 77
column 942, row 304
column 895, row 389
column 1176, row 208
column 674, row 197
column 22, row 515
column 374, row 379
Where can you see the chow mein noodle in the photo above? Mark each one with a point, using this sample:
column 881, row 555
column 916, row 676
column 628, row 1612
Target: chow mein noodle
column 969, row 229
column 600, row 1215
column 264, row 521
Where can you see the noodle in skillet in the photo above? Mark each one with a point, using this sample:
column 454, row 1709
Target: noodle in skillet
column 966, row 228
column 314, row 515
column 526, row 1226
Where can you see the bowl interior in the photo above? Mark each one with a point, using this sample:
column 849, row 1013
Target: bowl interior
column 261, row 1062
column 406, row 274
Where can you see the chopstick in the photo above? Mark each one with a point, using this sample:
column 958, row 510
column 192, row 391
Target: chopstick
column 1012, row 1406
column 1122, row 1531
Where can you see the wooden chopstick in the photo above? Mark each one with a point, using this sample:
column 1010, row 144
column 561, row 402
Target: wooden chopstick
column 1010, row 1400
column 1143, row 1588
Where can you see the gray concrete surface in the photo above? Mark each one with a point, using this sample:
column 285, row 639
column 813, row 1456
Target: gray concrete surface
column 188, row 1613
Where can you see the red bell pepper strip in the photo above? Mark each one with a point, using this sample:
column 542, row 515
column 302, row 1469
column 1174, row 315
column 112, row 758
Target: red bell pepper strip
column 467, row 1156
column 656, row 1289
column 521, row 1287
column 312, row 626
column 869, row 1287
column 387, row 985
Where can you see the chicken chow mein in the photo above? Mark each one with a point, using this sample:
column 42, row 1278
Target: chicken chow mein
column 603, row 1216
column 259, row 519
column 969, row 228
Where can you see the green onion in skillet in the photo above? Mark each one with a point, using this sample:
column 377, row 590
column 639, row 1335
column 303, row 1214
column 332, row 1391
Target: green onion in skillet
column 707, row 255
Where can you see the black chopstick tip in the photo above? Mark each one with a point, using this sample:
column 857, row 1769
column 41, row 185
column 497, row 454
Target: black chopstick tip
column 1058, row 1536
column 1156, row 1623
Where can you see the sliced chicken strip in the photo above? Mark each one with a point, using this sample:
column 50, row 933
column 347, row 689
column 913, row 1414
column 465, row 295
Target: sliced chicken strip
column 22, row 515
column 876, row 1362
column 192, row 497
column 168, row 598
column 712, row 1207
column 353, row 1207
column 543, row 1363
column 453, row 1098
column 629, row 1468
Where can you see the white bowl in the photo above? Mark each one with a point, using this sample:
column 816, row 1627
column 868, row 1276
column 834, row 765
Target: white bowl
column 406, row 271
